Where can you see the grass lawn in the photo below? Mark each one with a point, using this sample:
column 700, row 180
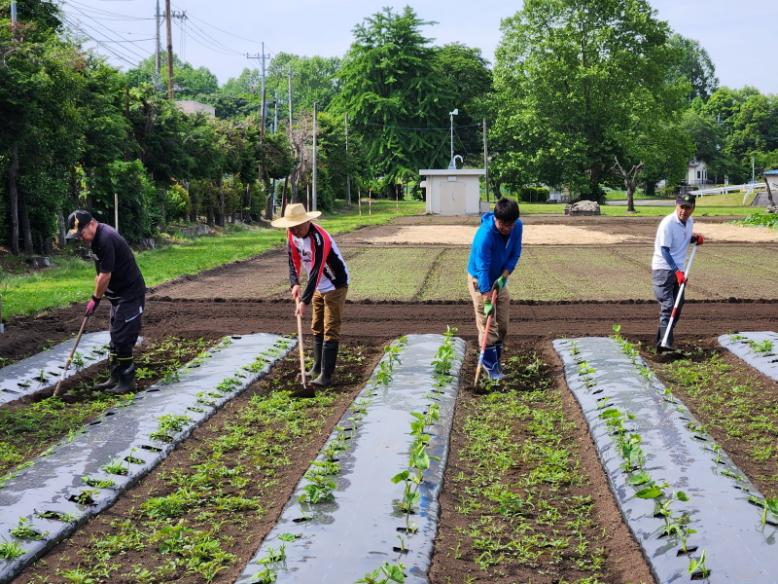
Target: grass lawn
column 72, row 280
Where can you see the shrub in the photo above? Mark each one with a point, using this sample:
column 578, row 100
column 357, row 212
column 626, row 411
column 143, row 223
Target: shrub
column 531, row 194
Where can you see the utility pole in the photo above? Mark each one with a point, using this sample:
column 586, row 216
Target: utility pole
column 348, row 162
column 264, row 103
column 169, row 28
column 289, row 97
column 451, row 115
column 486, row 161
column 313, row 190
column 275, row 111
column 158, row 67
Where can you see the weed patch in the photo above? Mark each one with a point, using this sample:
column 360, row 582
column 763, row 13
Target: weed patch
column 736, row 406
column 519, row 490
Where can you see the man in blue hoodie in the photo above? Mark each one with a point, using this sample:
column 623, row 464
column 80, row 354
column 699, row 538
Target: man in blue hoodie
column 493, row 257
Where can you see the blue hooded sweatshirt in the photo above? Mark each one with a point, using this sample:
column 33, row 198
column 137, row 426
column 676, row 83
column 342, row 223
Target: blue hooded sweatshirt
column 492, row 253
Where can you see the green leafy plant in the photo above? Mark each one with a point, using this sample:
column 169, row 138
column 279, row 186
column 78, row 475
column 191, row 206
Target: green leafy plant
column 10, row 550
column 85, row 497
column 78, row 360
column 698, row 567
column 116, row 467
column 24, row 530
column 765, row 346
column 386, row 574
column 97, row 483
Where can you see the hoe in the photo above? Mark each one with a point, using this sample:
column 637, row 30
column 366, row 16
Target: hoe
column 678, row 298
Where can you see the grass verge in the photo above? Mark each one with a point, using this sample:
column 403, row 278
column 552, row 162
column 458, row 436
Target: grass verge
column 71, row 281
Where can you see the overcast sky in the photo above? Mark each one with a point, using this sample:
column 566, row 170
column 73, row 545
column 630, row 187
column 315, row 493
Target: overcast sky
column 741, row 37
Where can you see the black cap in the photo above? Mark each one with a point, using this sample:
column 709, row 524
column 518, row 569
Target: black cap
column 77, row 220
column 685, row 200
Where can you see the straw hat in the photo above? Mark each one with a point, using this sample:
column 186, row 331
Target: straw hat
column 294, row 214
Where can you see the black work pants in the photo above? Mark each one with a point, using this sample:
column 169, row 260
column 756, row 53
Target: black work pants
column 125, row 322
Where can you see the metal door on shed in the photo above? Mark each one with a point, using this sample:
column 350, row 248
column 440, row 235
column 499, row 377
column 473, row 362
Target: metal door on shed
column 453, row 197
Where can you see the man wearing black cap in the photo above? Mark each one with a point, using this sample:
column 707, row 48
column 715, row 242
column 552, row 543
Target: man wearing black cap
column 120, row 281
column 673, row 237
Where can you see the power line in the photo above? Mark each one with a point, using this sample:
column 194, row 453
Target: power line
column 202, row 41
column 105, row 14
column 230, row 34
column 89, row 36
column 109, row 33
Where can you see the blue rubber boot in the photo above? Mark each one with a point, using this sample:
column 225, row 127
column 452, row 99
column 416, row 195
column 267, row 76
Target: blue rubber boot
column 490, row 363
column 498, row 347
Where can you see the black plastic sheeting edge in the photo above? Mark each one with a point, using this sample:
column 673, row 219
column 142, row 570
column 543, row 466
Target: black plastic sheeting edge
column 738, row 548
column 44, row 369
column 53, row 484
column 343, row 540
column 758, row 349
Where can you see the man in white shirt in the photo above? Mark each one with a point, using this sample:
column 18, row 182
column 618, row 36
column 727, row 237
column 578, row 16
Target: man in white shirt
column 673, row 236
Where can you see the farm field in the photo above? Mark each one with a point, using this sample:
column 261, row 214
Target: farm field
column 524, row 498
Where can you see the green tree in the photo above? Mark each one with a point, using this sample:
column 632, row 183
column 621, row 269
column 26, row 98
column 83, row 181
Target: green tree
column 694, row 64
column 571, row 77
column 189, row 82
column 390, row 91
column 39, row 137
column 466, row 75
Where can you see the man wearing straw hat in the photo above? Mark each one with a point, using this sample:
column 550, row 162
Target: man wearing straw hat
column 313, row 249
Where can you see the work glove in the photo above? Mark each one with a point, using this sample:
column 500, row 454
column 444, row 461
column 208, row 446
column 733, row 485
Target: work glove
column 680, row 277
column 488, row 307
column 500, row 283
column 698, row 238
column 92, row 305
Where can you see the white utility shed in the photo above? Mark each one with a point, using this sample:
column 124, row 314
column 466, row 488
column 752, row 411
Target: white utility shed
column 452, row 191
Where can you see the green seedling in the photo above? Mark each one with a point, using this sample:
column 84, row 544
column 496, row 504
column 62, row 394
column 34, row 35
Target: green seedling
column 386, row 574
column 10, row 550
column 172, row 423
column 97, row 483
column 78, row 360
column 765, row 346
column 85, row 497
column 319, row 489
column 697, row 566
column 289, row 536
column 116, row 467
column 273, row 556
column 57, row 516
column 24, row 530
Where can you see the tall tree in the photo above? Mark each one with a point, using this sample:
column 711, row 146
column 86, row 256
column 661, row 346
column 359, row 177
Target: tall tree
column 568, row 74
column 395, row 101
column 695, row 65
column 467, row 76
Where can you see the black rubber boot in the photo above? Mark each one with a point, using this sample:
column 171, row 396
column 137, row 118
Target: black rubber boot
column 660, row 335
column 114, row 366
column 126, row 377
column 329, row 357
column 318, row 344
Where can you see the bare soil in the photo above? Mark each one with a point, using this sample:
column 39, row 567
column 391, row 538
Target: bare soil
column 250, row 297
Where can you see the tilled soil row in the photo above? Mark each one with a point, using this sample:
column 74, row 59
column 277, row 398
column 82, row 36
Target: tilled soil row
column 362, row 320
